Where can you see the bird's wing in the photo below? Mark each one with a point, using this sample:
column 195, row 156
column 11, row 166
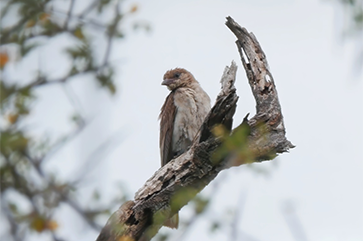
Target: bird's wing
column 167, row 116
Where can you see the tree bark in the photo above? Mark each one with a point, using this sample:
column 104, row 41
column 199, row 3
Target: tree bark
column 175, row 184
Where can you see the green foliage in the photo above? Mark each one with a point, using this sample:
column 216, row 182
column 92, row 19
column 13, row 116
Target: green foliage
column 200, row 204
column 354, row 12
column 182, row 197
column 23, row 154
column 102, row 4
column 5, row 92
column 105, row 77
column 13, row 142
column 82, row 58
column 162, row 237
column 234, row 144
column 215, row 226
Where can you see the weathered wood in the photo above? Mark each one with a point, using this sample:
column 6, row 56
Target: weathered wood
column 176, row 183
column 271, row 140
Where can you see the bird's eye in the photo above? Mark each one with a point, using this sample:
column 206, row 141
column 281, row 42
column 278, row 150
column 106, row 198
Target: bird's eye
column 176, row 75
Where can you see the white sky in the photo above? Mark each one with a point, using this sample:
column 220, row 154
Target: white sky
column 321, row 101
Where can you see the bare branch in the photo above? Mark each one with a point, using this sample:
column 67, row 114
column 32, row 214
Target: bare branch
column 177, row 182
column 69, row 14
column 83, row 20
column 89, row 8
column 271, row 140
column 14, row 227
column 238, row 215
column 111, row 32
column 63, row 195
column 293, row 222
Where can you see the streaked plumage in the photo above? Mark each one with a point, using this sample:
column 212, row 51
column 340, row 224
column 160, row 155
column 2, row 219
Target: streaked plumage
column 181, row 116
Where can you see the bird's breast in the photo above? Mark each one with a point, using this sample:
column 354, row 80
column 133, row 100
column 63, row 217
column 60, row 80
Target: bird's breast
column 190, row 113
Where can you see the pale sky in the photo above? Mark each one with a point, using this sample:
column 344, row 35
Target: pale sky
column 321, row 101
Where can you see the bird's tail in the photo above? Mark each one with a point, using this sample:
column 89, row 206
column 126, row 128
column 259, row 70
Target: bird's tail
column 172, row 222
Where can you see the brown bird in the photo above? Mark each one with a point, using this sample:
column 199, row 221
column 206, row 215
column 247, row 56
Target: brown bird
column 181, row 116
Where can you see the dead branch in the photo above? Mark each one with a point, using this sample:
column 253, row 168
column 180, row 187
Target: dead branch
column 176, row 183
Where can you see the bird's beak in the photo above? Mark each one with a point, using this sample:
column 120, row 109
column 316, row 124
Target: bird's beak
column 167, row 82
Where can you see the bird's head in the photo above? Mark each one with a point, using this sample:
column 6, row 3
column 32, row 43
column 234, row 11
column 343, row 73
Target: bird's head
column 178, row 77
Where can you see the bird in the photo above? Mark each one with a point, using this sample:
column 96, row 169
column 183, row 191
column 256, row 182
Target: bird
column 181, row 117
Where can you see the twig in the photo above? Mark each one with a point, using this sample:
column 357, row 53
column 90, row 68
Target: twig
column 83, row 20
column 40, row 82
column 14, row 226
column 89, row 9
column 238, row 215
column 58, row 146
column 195, row 217
column 69, row 14
column 106, row 148
column 111, row 33
column 5, row 34
column 293, row 222
column 73, row 99
column 64, row 196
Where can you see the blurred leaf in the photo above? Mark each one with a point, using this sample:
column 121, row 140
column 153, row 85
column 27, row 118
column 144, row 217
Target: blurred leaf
column 359, row 17
column 31, row 8
column 96, row 195
column 102, row 4
column 44, row 16
column 220, row 131
column 77, row 119
column 82, row 57
column 235, row 144
column 6, row 177
column 134, row 8
column 112, row 28
column 182, row 197
column 26, row 92
column 81, row 51
column 25, row 49
column 350, row 2
column 73, row 71
column 215, row 226
column 162, row 237
column 38, row 224
column 4, row 59
column 50, row 28
column 141, row 25
column 125, row 238
column 13, row 141
column 118, row 34
column 13, row 208
column 5, row 92
column 200, row 204
column 22, row 101
column 14, row 38
column 78, row 33
column 105, row 78
column 31, row 23
column 52, row 225
column 12, row 118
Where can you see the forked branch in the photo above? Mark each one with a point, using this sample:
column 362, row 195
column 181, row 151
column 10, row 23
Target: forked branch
column 176, row 183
